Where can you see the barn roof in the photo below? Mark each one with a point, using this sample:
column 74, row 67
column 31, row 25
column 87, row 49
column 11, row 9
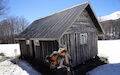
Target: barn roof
column 52, row 27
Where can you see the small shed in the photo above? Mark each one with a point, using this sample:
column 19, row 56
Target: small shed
column 76, row 27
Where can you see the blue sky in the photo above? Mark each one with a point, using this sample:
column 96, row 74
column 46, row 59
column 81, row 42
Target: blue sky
column 35, row 9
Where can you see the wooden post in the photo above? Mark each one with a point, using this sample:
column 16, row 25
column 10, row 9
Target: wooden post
column 16, row 60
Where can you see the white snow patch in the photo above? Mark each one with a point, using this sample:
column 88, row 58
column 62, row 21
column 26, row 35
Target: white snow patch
column 109, row 49
column 9, row 49
column 22, row 68
column 8, row 68
column 113, row 16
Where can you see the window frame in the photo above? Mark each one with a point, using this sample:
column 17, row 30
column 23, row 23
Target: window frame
column 36, row 43
column 83, row 38
column 27, row 42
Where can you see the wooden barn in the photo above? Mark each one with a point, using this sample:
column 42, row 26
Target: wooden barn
column 76, row 27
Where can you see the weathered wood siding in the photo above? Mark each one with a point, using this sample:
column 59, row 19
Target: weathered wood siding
column 32, row 50
column 25, row 49
column 37, row 53
column 45, row 48
column 72, row 39
column 83, row 23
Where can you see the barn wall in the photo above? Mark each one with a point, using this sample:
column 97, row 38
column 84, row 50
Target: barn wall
column 45, row 48
column 25, row 49
column 72, row 39
column 32, row 50
column 83, row 23
column 37, row 53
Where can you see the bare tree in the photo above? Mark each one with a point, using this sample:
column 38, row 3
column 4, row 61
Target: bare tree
column 111, row 28
column 3, row 7
column 12, row 26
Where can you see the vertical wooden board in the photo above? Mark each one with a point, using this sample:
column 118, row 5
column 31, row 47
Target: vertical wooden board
column 38, row 52
column 52, row 47
column 74, row 48
column 93, row 48
column 68, row 44
column 30, row 48
column 76, row 43
column 81, row 52
column 96, row 42
column 23, row 47
column 61, row 41
column 86, row 50
column 80, row 49
column 35, row 50
column 71, row 47
column 47, row 48
column 78, row 46
column 57, row 45
column 65, row 40
column 27, row 51
column 42, row 46
column 41, row 55
column 88, row 38
column 89, row 43
column 93, row 43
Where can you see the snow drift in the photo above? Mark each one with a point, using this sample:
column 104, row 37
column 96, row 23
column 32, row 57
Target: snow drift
column 109, row 49
column 21, row 68
column 10, row 50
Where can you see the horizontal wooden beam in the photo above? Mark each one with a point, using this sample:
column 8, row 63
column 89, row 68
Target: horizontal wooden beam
column 37, row 39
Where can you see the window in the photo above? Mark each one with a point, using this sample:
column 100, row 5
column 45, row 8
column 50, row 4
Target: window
column 83, row 38
column 36, row 42
column 27, row 42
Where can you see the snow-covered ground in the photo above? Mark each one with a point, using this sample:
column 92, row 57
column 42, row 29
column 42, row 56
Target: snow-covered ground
column 8, row 67
column 106, row 48
column 111, row 50
column 2, row 58
column 10, row 50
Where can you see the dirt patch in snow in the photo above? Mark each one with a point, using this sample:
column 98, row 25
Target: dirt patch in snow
column 81, row 69
column 88, row 65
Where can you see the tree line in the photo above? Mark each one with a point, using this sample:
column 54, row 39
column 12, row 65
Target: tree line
column 111, row 29
column 10, row 26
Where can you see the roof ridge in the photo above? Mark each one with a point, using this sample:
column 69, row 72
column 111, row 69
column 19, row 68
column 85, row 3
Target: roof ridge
column 64, row 10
